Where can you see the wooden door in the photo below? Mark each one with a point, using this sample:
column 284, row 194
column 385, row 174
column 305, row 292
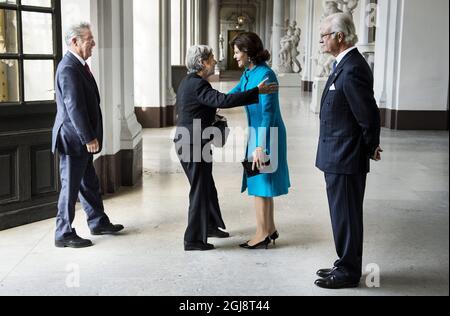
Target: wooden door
column 32, row 47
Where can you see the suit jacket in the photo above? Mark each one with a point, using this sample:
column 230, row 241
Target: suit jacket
column 197, row 100
column 349, row 119
column 79, row 118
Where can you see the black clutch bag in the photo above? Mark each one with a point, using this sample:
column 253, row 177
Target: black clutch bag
column 221, row 123
column 248, row 168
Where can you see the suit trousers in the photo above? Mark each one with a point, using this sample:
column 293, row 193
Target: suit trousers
column 79, row 180
column 204, row 209
column 346, row 198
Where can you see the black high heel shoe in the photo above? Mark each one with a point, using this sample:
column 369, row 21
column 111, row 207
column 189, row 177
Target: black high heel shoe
column 262, row 245
column 275, row 236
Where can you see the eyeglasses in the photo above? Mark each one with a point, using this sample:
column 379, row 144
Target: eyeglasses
column 328, row 34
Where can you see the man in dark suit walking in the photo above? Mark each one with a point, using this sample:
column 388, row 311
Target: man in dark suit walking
column 349, row 138
column 77, row 136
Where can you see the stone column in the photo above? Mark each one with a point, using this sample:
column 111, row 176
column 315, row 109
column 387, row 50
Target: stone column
column 293, row 11
column 269, row 24
column 155, row 98
column 168, row 95
column 287, row 10
column 131, row 132
column 262, row 21
column 258, row 18
column 197, row 22
column 121, row 160
column 183, row 30
column 214, row 29
column 192, row 19
column 278, row 28
column 310, row 46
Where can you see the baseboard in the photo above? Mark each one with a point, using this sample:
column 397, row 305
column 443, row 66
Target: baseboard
column 156, row 117
column 415, row 120
column 122, row 169
column 20, row 217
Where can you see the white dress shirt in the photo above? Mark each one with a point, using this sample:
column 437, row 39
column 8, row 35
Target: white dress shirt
column 343, row 54
column 82, row 61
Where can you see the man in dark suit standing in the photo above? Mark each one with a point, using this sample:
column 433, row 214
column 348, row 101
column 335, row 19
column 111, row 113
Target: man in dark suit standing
column 77, row 136
column 349, row 138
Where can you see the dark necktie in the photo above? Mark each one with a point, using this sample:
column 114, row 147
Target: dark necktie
column 335, row 65
column 88, row 70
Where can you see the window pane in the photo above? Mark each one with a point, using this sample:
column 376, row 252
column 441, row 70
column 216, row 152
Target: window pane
column 38, row 3
column 39, row 80
column 37, row 33
column 8, row 31
column 8, row 1
column 9, row 81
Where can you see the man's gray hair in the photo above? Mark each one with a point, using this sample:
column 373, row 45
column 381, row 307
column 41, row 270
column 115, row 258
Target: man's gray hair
column 195, row 57
column 76, row 31
column 343, row 23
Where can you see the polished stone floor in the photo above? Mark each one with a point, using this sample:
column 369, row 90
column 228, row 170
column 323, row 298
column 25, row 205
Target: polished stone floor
column 406, row 231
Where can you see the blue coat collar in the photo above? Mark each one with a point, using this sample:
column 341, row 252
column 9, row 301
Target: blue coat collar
column 248, row 70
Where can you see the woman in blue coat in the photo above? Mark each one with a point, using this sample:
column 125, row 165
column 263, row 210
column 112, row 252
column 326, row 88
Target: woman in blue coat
column 267, row 141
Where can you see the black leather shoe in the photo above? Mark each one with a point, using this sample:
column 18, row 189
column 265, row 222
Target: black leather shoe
column 325, row 273
column 73, row 242
column 262, row 245
column 197, row 246
column 217, row 233
column 109, row 229
column 334, row 283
